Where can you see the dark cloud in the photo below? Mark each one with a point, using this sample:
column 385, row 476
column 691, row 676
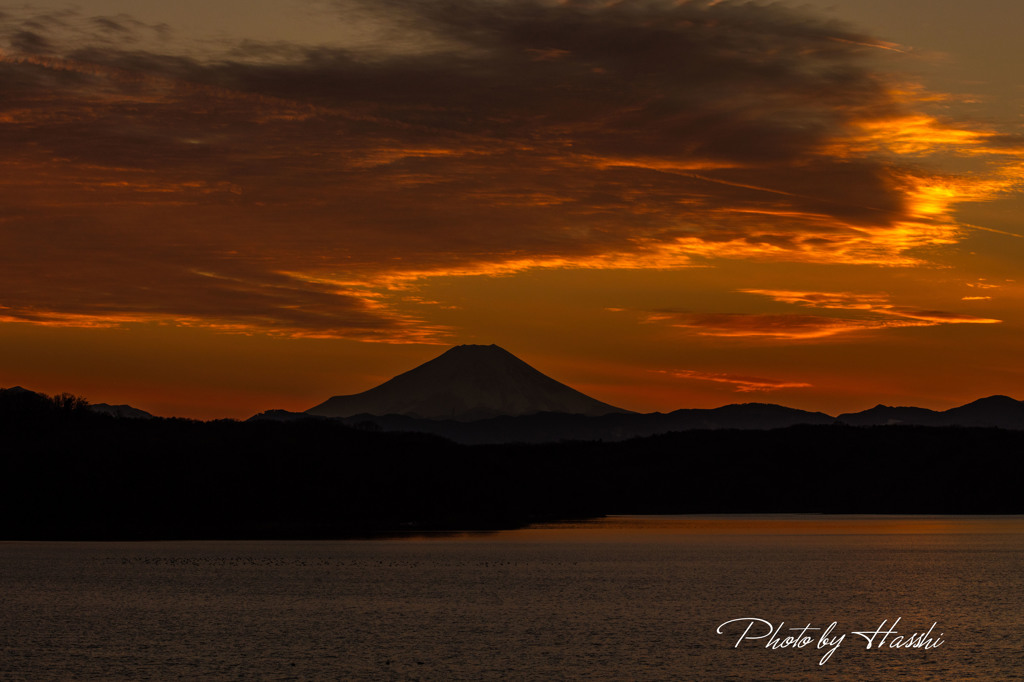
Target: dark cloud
column 32, row 43
column 501, row 136
column 109, row 25
column 85, row 282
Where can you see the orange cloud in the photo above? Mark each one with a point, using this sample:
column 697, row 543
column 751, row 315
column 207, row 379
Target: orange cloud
column 874, row 303
column 790, row 327
column 520, row 135
column 828, row 299
column 741, row 384
column 874, row 311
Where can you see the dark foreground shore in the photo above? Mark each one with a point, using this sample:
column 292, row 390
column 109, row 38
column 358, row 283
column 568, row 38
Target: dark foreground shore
column 71, row 474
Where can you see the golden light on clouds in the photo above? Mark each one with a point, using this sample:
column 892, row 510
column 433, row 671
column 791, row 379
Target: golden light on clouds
column 875, row 312
column 324, row 191
column 912, row 134
column 739, row 383
column 785, row 327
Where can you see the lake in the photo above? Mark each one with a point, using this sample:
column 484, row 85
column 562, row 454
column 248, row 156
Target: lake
column 620, row 598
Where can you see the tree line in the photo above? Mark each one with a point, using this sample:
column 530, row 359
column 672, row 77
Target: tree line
column 69, row 473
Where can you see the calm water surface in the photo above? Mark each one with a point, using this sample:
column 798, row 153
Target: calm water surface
column 627, row 598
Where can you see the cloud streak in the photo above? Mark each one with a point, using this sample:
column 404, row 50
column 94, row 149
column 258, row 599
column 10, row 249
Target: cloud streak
column 739, row 383
column 782, row 327
column 498, row 137
column 872, row 303
column 873, row 312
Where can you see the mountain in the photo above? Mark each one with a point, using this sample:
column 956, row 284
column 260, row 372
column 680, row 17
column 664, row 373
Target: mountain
column 749, row 416
column 120, row 411
column 551, row 427
column 18, row 390
column 883, row 415
column 484, row 394
column 997, row 411
column 466, row 383
column 22, row 398
column 281, row 416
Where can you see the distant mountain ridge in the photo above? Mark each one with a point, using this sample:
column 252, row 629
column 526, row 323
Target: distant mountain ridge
column 119, row 411
column 477, row 394
column 545, row 427
column 997, row 411
column 548, row 427
column 484, row 394
column 467, row 383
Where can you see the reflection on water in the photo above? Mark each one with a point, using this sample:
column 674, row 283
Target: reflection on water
column 615, row 598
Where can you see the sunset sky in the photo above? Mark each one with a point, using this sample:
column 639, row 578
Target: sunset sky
column 215, row 208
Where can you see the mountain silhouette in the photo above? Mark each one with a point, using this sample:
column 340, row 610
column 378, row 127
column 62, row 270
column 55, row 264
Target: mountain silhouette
column 484, row 394
column 996, row 411
column 466, row 383
column 884, row 415
column 27, row 397
column 553, row 427
column 120, row 411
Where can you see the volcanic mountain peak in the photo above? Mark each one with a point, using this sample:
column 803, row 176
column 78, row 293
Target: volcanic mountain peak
column 466, row 383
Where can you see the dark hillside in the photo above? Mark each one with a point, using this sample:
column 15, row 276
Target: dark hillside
column 68, row 472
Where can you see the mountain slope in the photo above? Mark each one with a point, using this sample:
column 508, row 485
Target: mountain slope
column 883, row 415
column 466, row 383
column 994, row 411
column 120, row 411
column 551, row 427
column 997, row 411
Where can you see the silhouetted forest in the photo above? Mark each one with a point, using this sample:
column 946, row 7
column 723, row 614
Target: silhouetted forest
column 69, row 473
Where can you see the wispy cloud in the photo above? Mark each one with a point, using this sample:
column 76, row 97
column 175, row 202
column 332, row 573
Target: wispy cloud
column 739, row 383
column 872, row 312
column 872, row 303
column 502, row 137
column 789, row 327
column 268, row 303
column 826, row 299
